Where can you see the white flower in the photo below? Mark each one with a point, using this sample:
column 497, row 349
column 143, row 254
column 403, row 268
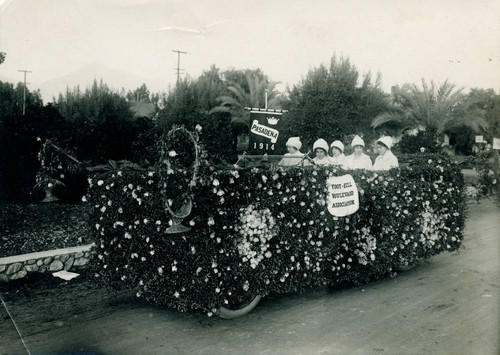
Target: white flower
column 198, row 128
column 211, row 221
column 216, row 182
column 100, row 182
column 174, row 268
column 84, row 198
column 127, row 235
column 103, row 209
column 172, row 153
column 176, row 294
column 120, row 210
column 160, row 270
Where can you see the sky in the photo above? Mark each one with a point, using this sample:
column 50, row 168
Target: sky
column 65, row 41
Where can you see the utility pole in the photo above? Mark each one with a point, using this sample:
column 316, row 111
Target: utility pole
column 24, row 91
column 178, row 69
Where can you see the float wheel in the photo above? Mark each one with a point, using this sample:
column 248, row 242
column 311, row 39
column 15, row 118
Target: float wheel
column 240, row 309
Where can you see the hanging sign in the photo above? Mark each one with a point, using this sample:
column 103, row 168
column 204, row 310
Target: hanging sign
column 343, row 198
column 264, row 131
column 479, row 139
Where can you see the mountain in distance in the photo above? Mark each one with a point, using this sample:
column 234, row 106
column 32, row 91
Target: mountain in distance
column 116, row 79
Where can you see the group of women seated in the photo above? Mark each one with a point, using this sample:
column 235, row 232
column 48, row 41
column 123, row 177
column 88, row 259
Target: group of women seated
column 357, row 160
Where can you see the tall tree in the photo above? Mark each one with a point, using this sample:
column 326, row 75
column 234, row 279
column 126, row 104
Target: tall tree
column 247, row 89
column 489, row 102
column 331, row 103
column 102, row 124
column 436, row 108
column 18, row 138
column 140, row 94
column 190, row 104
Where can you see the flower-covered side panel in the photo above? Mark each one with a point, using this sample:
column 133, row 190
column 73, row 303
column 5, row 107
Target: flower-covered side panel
column 260, row 231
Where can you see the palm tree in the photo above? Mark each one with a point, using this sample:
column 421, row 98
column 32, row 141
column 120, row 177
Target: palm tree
column 238, row 99
column 440, row 109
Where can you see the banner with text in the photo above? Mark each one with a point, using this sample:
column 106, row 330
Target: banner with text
column 343, row 198
column 264, row 131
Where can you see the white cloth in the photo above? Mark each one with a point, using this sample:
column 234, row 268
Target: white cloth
column 294, row 159
column 339, row 160
column 354, row 162
column 325, row 161
column 386, row 161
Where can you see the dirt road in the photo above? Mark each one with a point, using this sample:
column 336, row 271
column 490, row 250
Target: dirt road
column 448, row 306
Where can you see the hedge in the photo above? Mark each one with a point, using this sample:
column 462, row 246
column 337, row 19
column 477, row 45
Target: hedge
column 260, row 231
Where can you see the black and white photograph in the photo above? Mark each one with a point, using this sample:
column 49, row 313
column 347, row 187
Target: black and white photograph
column 249, row 177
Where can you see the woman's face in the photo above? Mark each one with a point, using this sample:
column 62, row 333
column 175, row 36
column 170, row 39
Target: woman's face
column 358, row 149
column 291, row 149
column 320, row 153
column 381, row 149
column 336, row 152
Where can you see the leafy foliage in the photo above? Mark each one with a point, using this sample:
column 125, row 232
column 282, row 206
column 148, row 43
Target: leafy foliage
column 247, row 90
column 329, row 104
column 487, row 164
column 18, row 144
column 423, row 141
column 189, row 105
column 101, row 123
column 442, row 109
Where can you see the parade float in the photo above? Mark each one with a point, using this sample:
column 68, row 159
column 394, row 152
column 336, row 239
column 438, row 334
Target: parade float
column 190, row 235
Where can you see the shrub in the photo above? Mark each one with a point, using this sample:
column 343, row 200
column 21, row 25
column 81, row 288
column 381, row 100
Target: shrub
column 487, row 164
column 260, row 231
column 411, row 144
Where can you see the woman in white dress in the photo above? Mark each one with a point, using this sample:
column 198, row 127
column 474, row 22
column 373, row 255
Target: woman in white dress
column 320, row 148
column 358, row 159
column 386, row 159
column 294, row 157
column 338, row 157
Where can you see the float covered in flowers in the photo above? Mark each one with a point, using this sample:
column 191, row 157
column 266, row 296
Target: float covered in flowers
column 257, row 231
